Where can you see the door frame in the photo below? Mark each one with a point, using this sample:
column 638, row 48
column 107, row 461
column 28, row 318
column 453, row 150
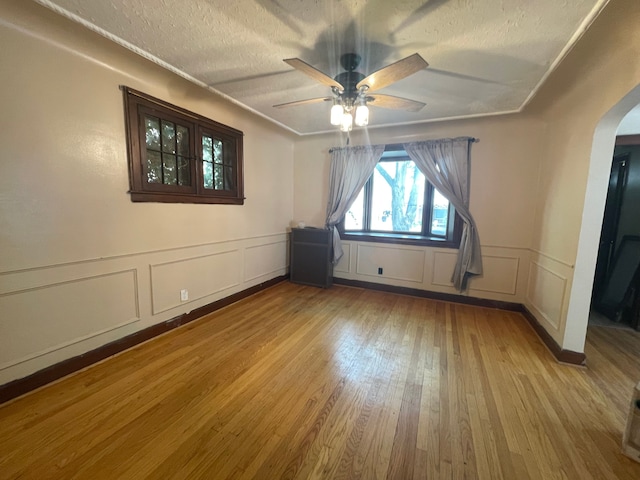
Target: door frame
column 604, row 138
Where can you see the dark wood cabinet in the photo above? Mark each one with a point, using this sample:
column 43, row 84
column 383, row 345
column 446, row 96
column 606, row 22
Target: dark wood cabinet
column 310, row 262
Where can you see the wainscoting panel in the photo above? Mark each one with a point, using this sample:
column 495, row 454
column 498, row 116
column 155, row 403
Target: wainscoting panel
column 405, row 264
column 500, row 275
column 430, row 268
column 200, row 276
column 500, row 272
column 51, row 313
column 38, row 320
column 443, row 265
column 546, row 293
column 344, row 264
column 266, row 259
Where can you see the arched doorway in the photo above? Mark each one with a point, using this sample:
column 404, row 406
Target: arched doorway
column 592, row 214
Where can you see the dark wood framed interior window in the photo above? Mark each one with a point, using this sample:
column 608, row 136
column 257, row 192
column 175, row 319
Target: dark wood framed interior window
column 399, row 205
column 178, row 156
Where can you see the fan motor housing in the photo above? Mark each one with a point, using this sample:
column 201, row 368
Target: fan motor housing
column 350, row 61
column 349, row 80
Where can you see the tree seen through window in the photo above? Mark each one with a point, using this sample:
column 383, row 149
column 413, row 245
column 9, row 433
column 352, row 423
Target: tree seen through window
column 398, row 200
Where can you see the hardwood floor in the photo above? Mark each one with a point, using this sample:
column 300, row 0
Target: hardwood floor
column 300, row 382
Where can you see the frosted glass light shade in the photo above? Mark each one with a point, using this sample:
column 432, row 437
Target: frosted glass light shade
column 362, row 115
column 347, row 122
column 336, row 114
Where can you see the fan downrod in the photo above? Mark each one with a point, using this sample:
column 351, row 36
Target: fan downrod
column 350, row 78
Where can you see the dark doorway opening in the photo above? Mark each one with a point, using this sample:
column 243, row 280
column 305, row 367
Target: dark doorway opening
column 616, row 288
column 610, row 222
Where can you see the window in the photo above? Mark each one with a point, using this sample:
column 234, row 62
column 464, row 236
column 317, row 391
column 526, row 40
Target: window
column 180, row 157
column 398, row 205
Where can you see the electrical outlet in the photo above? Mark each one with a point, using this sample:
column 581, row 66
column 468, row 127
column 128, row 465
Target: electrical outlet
column 184, row 295
column 379, row 270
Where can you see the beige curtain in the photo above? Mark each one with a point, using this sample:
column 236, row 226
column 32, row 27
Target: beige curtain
column 445, row 163
column 351, row 167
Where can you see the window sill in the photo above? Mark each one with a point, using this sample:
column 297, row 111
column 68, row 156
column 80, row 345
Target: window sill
column 183, row 198
column 398, row 239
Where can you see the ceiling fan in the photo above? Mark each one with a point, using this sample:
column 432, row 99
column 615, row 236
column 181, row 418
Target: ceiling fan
column 353, row 90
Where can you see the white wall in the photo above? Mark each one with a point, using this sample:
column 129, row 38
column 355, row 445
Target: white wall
column 582, row 103
column 504, row 171
column 80, row 264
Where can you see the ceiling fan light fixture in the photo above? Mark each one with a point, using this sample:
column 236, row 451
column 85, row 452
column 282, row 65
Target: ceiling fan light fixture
column 347, row 122
column 362, row 115
column 336, row 114
column 350, row 88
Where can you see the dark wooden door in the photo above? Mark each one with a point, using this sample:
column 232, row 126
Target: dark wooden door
column 610, row 222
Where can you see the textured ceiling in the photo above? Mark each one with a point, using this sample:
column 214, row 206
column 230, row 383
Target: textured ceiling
column 486, row 56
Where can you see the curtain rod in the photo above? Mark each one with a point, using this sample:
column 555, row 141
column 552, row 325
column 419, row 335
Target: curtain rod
column 470, row 139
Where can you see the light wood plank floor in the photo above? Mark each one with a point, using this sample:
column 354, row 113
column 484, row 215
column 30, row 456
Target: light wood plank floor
column 300, row 382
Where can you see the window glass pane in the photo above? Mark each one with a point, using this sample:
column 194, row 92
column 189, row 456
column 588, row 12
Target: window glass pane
column 397, row 197
column 218, row 178
column 152, row 127
column 169, row 169
column 439, row 214
column 184, row 172
column 217, row 151
column 207, row 148
column 182, row 139
column 354, row 219
column 168, row 137
column 207, row 170
column 182, row 144
column 381, row 200
column 207, row 158
column 229, row 178
column 154, row 167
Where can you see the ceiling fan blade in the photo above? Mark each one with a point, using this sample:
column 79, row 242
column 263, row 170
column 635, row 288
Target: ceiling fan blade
column 304, row 102
column 313, row 72
column 396, row 103
column 394, row 72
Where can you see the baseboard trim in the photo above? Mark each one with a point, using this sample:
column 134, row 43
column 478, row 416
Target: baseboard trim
column 445, row 297
column 50, row 374
column 562, row 356
column 21, row 386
